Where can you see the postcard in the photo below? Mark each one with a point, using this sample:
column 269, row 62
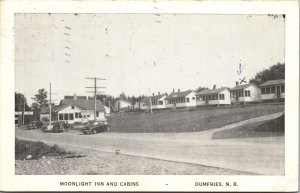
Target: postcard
column 149, row 96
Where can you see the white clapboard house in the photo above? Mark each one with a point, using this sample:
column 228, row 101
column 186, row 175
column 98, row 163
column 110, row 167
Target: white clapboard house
column 272, row 90
column 157, row 102
column 122, row 105
column 181, row 99
column 77, row 109
column 245, row 93
column 213, row 97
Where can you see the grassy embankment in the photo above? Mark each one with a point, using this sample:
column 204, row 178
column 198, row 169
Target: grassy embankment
column 37, row 150
column 270, row 128
column 187, row 120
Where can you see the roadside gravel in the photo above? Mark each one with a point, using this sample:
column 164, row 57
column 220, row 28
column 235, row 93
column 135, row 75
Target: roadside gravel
column 93, row 162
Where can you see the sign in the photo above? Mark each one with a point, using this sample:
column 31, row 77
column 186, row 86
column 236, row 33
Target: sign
column 25, row 113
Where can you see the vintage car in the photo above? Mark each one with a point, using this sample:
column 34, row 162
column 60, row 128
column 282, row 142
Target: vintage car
column 96, row 127
column 80, row 125
column 35, row 125
column 56, row 127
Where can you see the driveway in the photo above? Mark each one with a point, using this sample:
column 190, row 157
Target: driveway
column 256, row 155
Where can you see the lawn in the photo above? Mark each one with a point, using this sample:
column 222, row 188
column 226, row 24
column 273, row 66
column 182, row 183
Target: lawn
column 187, row 120
column 270, row 128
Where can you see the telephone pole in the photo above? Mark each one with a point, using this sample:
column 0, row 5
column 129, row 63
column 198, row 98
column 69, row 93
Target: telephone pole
column 50, row 104
column 150, row 101
column 23, row 112
column 95, row 92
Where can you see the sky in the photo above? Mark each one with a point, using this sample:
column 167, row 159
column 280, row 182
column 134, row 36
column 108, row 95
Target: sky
column 136, row 53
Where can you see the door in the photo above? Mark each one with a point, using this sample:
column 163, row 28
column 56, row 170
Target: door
column 278, row 91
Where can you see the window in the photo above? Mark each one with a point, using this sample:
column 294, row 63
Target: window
column 72, row 107
column 268, row 90
column 80, row 115
column 263, row 90
column 221, row 96
column 76, row 115
column 88, row 115
column 247, row 93
column 193, row 98
column 71, row 116
column 97, row 113
column 66, row 116
column 273, row 89
column 160, row 102
column 61, row 117
column 241, row 93
column 217, row 97
column 282, row 88
column 187, row 100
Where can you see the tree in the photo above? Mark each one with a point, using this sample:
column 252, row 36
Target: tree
column 201, row 88
column 40, row 99
column 275, row 72
column 122, row 96
column 20, row 103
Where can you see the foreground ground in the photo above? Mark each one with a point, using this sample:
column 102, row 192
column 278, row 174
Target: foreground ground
column 259, row 155
column 92, row 162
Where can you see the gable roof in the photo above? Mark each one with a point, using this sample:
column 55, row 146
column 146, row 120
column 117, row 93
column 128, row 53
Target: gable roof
column 153, row 98
column 125, row 101
column 272, row 82
column 82, row 103
column 241, row 87
column 179, row 94
column 211, row 91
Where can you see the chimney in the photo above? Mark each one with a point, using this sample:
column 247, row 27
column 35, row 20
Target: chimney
column 178, row 90
column 166, row 94
column 158, row 93
column 75, row 97
column 236, row 83
column 173, row 90
column 152, row 94
column 214, row 87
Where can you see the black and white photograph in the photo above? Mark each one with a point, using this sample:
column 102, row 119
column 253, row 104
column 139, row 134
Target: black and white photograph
column 153, row 94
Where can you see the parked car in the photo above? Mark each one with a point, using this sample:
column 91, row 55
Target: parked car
column 80, row 125
column 56, row 127
column 96, row 127
column 35, row 125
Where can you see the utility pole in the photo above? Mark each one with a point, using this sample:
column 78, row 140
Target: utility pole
column 23, row 112
column 50, row 105
column 95, row 93
column 150, row 101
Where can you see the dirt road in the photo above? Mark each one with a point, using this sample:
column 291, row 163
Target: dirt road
column 256, row 155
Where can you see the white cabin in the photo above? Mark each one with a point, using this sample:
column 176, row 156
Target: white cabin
column 246, row 93
column 273, row 90
column 217, row 97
